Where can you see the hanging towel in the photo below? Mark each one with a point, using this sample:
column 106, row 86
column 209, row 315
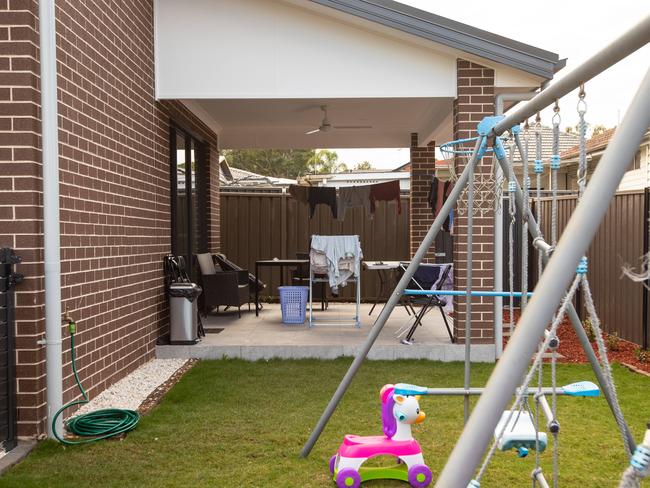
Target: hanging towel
column 324, row 195
column 337, row 249
column 385, row 191
column 438, row 193
column 299, row 192
column 353, row 196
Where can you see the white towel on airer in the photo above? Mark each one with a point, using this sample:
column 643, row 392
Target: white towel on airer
column 337, row 249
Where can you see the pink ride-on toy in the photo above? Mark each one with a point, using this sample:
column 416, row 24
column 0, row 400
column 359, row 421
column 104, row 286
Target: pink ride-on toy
column 398, row 413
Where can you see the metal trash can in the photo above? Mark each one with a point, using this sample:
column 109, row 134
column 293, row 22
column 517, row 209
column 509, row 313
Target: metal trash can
column 183, row 313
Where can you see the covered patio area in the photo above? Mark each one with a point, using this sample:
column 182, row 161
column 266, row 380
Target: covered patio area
column 266, row 337
column 319, row 74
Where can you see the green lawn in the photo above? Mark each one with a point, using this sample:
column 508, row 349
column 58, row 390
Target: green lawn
column 232, row 423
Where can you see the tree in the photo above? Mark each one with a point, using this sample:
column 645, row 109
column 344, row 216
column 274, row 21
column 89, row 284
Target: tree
column 363, row 166
column 598, row 129
column 325, row 161
column 282, row 163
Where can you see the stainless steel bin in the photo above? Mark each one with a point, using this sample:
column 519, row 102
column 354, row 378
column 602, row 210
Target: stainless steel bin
column 183, row 313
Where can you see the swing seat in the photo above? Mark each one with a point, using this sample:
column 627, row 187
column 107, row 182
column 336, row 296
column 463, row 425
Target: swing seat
column 519, row 433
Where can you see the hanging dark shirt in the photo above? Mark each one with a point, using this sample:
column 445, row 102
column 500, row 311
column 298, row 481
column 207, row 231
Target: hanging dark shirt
column 299, row 192
column 385, row 191
column 438, row 193
column 324, row 195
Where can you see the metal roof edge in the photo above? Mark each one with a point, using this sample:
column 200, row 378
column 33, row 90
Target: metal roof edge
column 453, row 34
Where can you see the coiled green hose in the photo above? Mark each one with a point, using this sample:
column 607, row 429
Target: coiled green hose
column 100, row 424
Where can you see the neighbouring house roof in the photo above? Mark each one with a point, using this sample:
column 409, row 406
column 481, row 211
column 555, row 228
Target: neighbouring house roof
column 351, row 178
column 594, row 144
column 230, row 177
column 567, row 140
column 452, row 34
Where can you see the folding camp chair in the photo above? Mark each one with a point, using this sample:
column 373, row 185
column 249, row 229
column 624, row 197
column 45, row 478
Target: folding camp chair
column 431, row 301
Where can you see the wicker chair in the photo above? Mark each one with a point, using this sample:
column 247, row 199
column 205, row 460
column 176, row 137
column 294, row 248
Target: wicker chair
column 223, row 288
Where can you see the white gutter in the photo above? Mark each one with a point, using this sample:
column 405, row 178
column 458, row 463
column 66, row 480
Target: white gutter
column 51, row 229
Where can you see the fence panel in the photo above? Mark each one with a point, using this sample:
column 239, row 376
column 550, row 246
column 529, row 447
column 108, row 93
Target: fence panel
column 620, row 239
column 258, row 226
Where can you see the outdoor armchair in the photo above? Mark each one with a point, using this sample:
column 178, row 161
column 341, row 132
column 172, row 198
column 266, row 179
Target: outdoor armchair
column 226, row 288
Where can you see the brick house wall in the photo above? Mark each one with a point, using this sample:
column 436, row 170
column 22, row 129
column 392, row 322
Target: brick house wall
column 114, row 184
column 20, row 197
column 423, row 159
column 475, row 100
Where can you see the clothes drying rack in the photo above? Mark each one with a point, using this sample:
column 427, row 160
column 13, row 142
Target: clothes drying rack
column 313, row 278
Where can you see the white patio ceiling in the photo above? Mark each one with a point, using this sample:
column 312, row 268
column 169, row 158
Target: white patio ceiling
column 283, row 122
column 258, row 71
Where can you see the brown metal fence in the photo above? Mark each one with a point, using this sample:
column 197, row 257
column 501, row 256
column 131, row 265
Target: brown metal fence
column 622, row 238
column 258, row 226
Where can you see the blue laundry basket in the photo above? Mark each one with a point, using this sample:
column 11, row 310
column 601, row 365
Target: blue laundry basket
column 293, row 302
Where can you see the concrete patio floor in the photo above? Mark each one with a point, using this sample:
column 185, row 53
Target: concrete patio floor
column 266, row 337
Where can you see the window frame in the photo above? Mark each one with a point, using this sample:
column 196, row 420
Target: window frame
column 201, row 155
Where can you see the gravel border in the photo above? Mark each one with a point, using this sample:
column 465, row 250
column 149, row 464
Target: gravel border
column 132, row 391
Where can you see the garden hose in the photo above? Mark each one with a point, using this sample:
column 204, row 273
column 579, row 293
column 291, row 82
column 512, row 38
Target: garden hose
column 100, row 424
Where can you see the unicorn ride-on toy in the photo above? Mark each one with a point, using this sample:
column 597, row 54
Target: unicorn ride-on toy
column 398, row 413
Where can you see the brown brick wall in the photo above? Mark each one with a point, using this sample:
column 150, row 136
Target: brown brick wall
column 20, row 196
column 115, row 189
column 423, row 159
column 475, row 100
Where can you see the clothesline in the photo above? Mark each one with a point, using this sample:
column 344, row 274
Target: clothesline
column 365, row 196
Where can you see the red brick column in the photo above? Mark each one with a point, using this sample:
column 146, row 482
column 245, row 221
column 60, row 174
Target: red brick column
column 475, row 100
column 422, row 170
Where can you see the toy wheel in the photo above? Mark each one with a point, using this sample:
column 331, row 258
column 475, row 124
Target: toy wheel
column 332, row 463
column 348, row 478
column 419, row 476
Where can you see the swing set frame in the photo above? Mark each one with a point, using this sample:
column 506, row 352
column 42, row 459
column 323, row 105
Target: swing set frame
column 559, row 271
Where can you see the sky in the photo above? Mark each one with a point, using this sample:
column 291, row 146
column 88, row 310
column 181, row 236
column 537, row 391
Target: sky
column 574, row 29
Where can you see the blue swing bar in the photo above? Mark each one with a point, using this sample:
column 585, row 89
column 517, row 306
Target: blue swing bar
column 474, row 293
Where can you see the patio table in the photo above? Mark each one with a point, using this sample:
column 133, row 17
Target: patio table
column 382, row 268
column 281, row 263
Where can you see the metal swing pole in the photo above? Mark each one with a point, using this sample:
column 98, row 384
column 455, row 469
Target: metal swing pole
column 632, row 40
column 538, row 242
column 393, row 300
column 575, row 239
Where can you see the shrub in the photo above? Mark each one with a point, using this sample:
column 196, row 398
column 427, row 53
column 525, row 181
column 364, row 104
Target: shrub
column 589, row 329
column 613, row 342
column 642, row 355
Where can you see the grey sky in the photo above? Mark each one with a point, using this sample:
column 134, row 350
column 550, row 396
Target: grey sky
column 573, row 29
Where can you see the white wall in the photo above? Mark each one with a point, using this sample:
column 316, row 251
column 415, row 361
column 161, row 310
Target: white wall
column 272, row 49
column 638, row 179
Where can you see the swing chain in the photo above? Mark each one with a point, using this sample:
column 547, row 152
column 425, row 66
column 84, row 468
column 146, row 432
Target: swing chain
column 582, row 128
column 582, row 104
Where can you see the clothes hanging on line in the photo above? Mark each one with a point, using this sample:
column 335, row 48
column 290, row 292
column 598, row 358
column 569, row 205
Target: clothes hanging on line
column 386, row 192
column 321, row 195
column 353, row 196
column 439, row 191
column 299, row 192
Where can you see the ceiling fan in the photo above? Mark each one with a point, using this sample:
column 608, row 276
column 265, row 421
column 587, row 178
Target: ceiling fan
column 326, row 126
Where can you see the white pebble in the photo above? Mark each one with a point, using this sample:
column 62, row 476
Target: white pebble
column 131, row 391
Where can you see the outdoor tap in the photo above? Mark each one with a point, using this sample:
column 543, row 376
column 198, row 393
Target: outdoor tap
column 72, row 324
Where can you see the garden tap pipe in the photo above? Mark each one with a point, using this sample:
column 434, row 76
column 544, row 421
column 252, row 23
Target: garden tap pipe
column 393, row 299
column 51, row 223
column 551, row 288
column 499, row 101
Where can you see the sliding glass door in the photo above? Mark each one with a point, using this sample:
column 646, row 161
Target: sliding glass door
column 188, row 193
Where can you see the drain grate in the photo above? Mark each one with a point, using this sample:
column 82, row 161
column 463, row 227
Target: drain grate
column 213, row 330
